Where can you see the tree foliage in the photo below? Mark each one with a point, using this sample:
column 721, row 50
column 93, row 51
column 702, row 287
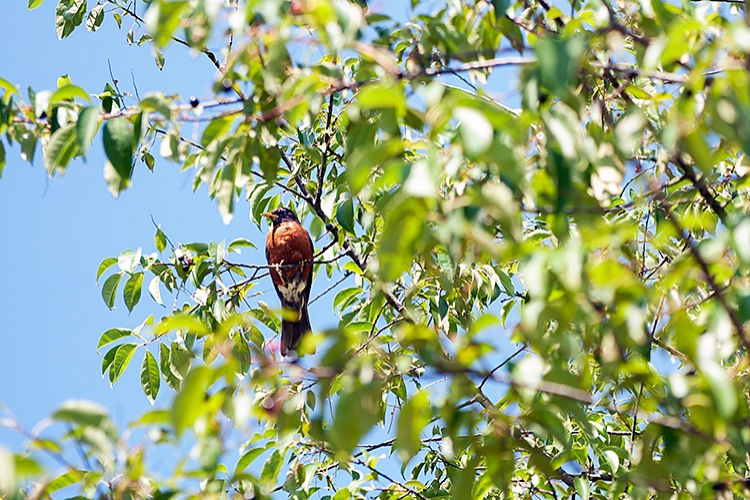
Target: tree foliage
column 547, row 292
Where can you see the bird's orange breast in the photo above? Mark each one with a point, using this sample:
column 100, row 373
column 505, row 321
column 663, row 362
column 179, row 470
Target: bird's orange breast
column 289, row 243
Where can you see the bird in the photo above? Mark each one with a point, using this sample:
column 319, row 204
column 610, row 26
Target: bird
column 289, row 252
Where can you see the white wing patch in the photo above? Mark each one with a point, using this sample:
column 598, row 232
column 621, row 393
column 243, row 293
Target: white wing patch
column 293, row 291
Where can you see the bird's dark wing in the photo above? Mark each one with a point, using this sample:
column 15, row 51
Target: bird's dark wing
column 310, row 276
column 269, row 242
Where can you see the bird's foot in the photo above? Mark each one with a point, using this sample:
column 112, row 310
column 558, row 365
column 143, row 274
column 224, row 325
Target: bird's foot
column 278, row 271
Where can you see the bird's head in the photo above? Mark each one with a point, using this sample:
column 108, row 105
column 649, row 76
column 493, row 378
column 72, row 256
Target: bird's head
column 279, row 215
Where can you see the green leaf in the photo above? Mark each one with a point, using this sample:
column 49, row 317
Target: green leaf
column 67, row 93
column 112, row 335
column 241, row 352
column 109, row 358
column 216, row 251
column 238, row 243
column 189, row 402
column 463, row 482
column 722, row 389
column 383, row 96
column 345, row 296
column 115, row 183
column 248, row 458
column 358, row 409
column 132, row 291
column 583, row 487
column 216, row 128
column 64, row 480
column 8, row 87
column 510, row 289
column 129, row 260
column 86, row 128
column 69, row 15
column 155, row 101
column 476, row 131
column 160, row 240
column 158, row 58
column 26, row 467
column 33, row 4
column 153, row 290
column 160, row 417
column 150, row 376
column 118, row 145
column 148, row 159
column 165, row 365
column 414, row 416
column 95, row 18
column 86, row 414
column 105, row 264
column 121, row 361
column 345, row 215
column 500, row 6
column 271, row 468
column 185, row 322
column 180, row 360
column 109, row 290
column 63, row 81
column 62, row 147
column 225, row 192
column 162, row 19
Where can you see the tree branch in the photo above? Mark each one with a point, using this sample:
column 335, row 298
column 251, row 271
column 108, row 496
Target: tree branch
column 700, row 185
column 327, row 138
column 718, row 291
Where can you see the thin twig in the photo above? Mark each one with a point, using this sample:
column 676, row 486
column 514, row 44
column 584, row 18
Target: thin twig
column 324, row 162
column 505, row 362
column 334, row 285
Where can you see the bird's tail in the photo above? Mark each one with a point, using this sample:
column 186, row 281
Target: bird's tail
column 292, row 331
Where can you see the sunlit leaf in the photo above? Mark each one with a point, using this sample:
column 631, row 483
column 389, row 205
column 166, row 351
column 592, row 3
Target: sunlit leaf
column 118, row 145
column 64, row 480
column 150, row 378
column 109, row 289
column 156, row 102
column 188, row 404
column 68, row 93
column 85, row 413
column 345, row 215
column 132, row 290
column 95, row 18
column 160, row 240
column 162, row 19
column 413, row 417
column 122, row 360
column 129, row 260
column 184, row 322
column 271, row 468
column 69, row 15
column 153, row 290
column 61, row 149
column 113, row 335
column 86, row 128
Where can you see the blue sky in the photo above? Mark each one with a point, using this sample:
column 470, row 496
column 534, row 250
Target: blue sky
column 54, row 232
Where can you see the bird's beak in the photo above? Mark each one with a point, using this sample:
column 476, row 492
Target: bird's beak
column 269, row 215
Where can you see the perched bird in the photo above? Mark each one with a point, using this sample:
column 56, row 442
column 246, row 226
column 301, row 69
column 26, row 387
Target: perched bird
column 290, row 249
